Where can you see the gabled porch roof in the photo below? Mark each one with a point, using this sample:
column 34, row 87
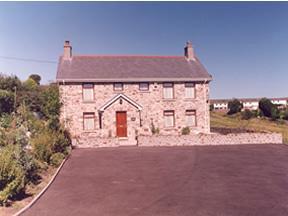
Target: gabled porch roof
column 119, row 96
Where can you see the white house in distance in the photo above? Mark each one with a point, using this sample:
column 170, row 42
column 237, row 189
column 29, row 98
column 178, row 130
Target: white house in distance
column 248, row 103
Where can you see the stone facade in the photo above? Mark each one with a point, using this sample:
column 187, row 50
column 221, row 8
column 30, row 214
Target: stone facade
column 138, row 121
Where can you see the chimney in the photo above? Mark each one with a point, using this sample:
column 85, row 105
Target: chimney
column 189, row 51
column 67, row 51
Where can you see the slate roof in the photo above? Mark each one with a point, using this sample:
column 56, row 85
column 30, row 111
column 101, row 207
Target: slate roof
column 130, row 69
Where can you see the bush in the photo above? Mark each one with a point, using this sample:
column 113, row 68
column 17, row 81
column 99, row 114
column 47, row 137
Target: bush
column 285, row 114
column 42, row 146
column 62, row 141
column 9, row 83
column 154, row 130
column 6, row 120
column 12, row 174
column 50, row 102
column 247, row 114
column 185, row 131
column 6, row 101
column 56, row 159
column 30, row 84
column 266, row 107
column 234, row 106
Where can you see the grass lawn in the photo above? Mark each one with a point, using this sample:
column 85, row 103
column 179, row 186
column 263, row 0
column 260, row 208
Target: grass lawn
column 219, row 119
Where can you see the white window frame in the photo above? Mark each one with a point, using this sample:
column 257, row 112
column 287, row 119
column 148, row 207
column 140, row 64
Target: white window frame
column 168, row 90
column 88, row 87
column 118, row 86
column 190, row 118
column 169, row 118
column 190, row 91
column 88, row 117
column 141, row 87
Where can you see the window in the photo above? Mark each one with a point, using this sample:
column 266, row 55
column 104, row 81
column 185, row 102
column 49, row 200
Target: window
column 190, row 118
column 143, row 86
column 168, row 90
column 88, row 92
column 169, row 118
column 189, row 90
column 88, row 121
column 118, row 86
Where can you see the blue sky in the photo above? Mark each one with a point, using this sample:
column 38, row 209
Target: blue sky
column 243, row 45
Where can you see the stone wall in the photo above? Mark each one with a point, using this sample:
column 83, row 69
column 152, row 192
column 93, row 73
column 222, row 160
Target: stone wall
column 152, row 102
column 91, row 140
column 211, row 139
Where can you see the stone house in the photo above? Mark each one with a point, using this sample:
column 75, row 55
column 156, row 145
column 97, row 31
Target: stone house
column 110, row 100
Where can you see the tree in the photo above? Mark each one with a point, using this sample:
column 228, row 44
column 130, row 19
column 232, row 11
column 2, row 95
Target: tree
column 50, row 102
column 234, row 106
column 9, row 82
column 267, row 107
column 6, row 101
column 36, row 78
column 30, row 84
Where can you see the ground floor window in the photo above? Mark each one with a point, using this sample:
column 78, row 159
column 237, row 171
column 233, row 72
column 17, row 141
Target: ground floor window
column 89, row 121
column 169, row 118
column 190, row 118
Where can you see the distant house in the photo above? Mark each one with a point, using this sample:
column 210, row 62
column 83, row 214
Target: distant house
column 248, row 103
column 120, row 97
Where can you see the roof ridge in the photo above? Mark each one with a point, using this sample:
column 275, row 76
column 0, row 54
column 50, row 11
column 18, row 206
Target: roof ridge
column 142, row 56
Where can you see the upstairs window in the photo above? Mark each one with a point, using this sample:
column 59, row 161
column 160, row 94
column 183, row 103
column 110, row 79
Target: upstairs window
column 190, row 118
column 89, row 121
column 144, row 86
column 88, row 92
column 169, row 118
column 189, row 90
column 118, row 86
column 168, row 90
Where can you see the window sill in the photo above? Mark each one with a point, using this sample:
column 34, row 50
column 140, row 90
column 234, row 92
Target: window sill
column 169, row 99
column 92, row 101
column 89, row 131
column 190, row 99
column 169, row 128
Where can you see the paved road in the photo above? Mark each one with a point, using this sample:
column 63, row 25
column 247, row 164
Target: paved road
column 194, row 181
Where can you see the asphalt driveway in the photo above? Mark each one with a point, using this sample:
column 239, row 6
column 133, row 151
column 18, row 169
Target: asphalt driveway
column 212, row 180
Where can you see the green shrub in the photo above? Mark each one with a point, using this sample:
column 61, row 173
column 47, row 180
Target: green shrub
column 12, row 174
column 247, row 114
column 62, row 141
column 50, row 102
column 6, row 120
column 154, row 130
column 285, row 114
column 56, row 159
column 234, row 106
column 9, row 83
column 185, row 131
column 6, row 101
column 42, row 146
column 267, row 107
column 30, row 84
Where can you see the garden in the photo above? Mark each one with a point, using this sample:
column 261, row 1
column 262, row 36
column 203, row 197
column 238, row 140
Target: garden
column 32, row 140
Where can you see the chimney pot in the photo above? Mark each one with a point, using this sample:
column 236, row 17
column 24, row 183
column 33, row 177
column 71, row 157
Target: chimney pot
column 67, row 55
column 189, row 51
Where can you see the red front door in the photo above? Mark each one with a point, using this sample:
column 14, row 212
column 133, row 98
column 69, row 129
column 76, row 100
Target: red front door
column 121, row 124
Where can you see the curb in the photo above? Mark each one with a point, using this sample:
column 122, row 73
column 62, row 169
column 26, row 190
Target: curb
column 43, row 190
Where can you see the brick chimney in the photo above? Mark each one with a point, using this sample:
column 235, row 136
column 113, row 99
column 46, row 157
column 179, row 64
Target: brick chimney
column 67, row 51
column 189, row 51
